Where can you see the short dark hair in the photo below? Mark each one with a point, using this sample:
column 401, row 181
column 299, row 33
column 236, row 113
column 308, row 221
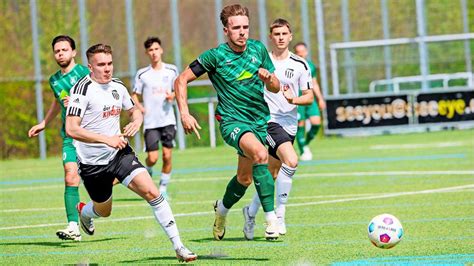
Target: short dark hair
column 300, row 43
column 233, row 10
column 280, row 22
column 150, row 41
column 97, row 49
column 64, row 38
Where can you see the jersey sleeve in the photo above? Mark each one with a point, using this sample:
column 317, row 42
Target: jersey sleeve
column 78, row 102
column 127, row 102
column 314, row 73
column 266, row 60
column 208, row 60
column 305, row 81
column 138, row 86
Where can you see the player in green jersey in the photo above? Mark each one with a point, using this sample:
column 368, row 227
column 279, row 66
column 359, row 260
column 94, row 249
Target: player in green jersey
column 310, row 112
column 64, row 49
column 238, row 69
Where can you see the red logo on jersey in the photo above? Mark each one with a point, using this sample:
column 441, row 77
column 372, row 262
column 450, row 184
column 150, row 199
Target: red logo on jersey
column 111, row 111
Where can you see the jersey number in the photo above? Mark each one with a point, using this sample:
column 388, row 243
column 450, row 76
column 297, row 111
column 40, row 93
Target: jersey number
column 234, row 133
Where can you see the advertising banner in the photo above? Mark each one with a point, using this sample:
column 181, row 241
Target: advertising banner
column 444, row 107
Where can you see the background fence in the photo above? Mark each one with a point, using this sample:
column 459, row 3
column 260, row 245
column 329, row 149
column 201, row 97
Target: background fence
column 188, row 27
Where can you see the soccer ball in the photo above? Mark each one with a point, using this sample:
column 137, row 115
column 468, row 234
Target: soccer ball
column 385, row 231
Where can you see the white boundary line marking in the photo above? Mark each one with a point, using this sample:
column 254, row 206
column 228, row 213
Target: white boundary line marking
column 417, row 145
column 390, row 195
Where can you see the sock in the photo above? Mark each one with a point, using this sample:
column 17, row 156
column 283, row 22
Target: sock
column 88, row 211
column 283, row 187
column 300, row 138
column 71, row 199
column 164, row 216
column 73, row 225
column 149, row 169
column 313, row 131
column 221, row 209
column 254, row 205
column 165, row 179
column 270, row 216
column 265, row 186
column 233, row 193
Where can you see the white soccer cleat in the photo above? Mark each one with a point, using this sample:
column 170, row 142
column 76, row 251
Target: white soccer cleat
column 281, row 226
column 219, row 224
column 271, row 231
column 87, row 224
column 249, row 224
column 69, row 233
column 307, row 155
column 186, row 255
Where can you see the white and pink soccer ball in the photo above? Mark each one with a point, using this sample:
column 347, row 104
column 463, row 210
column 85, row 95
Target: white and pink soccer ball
column 385, row 231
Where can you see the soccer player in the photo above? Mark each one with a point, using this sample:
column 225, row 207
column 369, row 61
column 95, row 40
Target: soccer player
column 155, row 83
column 310, row 112
column 295, row 76
column 64, row 49
column 238, row 70
column 93, row 120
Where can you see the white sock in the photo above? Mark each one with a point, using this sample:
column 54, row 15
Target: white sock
column 270, row 216
column 283, row 187
column 73, row 225
column 221, row 209
column 88, row 211
column 164, row 216
column 165, row 179
column 254, row 205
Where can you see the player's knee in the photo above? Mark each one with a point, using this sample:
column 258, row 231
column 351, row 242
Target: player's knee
column 152, row 159
column 260, row 157
column 71, row 179
column 292, row 162
column 166, row 158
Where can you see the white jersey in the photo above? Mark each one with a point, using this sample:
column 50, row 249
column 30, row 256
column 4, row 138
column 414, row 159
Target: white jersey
column 153, row 85
column 99, row 106
column 294, row 73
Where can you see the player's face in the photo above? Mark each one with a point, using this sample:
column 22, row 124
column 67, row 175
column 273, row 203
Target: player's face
column 281, row 37
column 101, row 68
column 300, row 50
column 63, row 53
column 154, row 52
column 237, row 31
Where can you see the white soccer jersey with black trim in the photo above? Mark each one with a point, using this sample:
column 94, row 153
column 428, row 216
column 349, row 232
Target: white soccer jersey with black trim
column 294, row 73
column 99, row 106
column 153, row 85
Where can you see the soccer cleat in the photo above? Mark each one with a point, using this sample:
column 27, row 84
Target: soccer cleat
column 271, row 231
column 219, row 224
column 87, row 224
column 307, row 155
column 69, row 233
column 186, row 255
column 249, row 224
column 281, row 226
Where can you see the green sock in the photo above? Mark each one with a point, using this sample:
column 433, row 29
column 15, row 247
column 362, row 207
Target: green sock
column 265, row 186
column 71, row 199
column 233, row 193
column 300, row 138
column 313, row 131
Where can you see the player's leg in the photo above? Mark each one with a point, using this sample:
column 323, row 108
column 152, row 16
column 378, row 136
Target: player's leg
column 168, row 134
column 152, row 136
column 71, row 193
column 315, row 120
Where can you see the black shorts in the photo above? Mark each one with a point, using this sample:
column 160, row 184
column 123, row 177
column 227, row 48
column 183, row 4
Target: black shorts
column 98, row 179
column 276, row 136
column 164, row 134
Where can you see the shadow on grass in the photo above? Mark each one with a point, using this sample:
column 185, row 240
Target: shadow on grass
column 200, row 258
column 234, row 239
column 58, row 243
column 129, row 199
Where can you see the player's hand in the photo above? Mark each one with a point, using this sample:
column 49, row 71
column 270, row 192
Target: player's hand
column 169, row 96
column 287, row 93
column 131, row 129
column 35, row 130
column 117, row 142
column 322, row 104
column 66, row 101
column 264, row 75
column 190, row 125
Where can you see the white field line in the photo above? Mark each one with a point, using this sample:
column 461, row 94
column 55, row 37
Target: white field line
column 417, row 145
column 390, row 195
column 206, row 179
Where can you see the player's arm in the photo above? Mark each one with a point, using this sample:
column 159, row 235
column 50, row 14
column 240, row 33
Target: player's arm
column 271, row 81
column 190, row 124
column 75, row 131
column 136, row 120
column 318, row 94
column 53, row 111
column 306, row 97
column 136, row 99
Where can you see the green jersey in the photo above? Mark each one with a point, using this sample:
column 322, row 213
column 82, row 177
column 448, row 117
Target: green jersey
column 313, row 69
column 61, row 84
column 235, row 78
